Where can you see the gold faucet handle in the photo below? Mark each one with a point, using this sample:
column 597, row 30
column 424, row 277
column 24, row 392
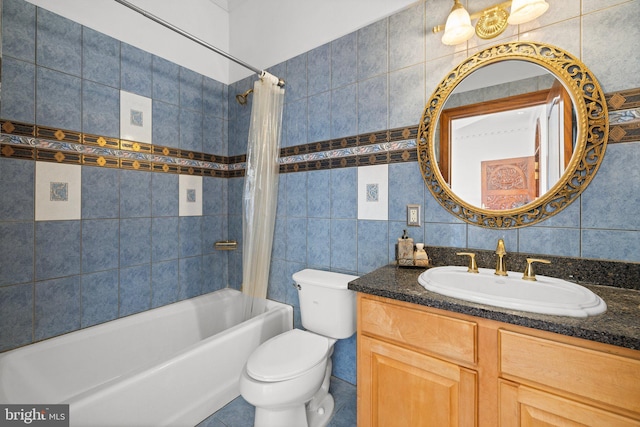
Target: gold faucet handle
column 528, row 272
column 473, row 267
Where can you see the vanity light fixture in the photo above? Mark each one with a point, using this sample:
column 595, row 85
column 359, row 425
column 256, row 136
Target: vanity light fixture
column 458, row 28
column 526, row 10
column 491, row 22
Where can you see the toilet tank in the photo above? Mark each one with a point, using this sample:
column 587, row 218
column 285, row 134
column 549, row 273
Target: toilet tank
column 327, row 307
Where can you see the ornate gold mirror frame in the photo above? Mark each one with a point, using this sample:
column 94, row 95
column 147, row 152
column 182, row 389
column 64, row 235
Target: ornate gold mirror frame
column 592, row 133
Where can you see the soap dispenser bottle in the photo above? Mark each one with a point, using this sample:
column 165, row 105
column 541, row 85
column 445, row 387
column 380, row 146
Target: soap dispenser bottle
column 405, row 250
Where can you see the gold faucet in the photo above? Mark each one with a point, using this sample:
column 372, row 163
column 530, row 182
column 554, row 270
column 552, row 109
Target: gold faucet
column 528, row 272
column 501, row 267
column 473, row 266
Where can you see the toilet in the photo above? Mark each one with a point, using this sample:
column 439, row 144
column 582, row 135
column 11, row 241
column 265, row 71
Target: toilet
column 287, row 377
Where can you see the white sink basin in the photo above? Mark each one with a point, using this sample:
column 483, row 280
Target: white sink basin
column 547, row 295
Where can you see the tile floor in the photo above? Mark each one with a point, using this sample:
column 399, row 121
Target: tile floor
column 239, row 413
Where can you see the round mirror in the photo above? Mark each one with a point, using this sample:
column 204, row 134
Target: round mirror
column 512, row 135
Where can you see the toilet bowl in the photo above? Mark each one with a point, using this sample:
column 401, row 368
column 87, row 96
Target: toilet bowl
column 287, row 377
column 284, row 374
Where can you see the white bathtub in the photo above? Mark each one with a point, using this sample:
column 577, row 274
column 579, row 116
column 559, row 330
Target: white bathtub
column 171, row 366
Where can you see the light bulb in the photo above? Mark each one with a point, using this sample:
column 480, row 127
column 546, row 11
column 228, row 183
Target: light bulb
column 458, row 28
column 526, row 10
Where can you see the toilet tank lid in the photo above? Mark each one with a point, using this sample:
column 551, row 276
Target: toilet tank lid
column 327, row 279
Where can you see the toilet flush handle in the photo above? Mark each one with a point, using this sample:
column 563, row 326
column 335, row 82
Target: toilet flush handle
column 295, row 285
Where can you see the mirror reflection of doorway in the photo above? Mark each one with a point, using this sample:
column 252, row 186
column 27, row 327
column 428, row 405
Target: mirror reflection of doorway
column 508, row 183
column 537, row 125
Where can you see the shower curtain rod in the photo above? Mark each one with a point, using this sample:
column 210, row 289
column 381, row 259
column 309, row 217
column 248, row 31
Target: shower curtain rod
column 193, row 38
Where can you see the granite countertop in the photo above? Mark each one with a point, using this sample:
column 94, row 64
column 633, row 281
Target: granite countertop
column 619, row 325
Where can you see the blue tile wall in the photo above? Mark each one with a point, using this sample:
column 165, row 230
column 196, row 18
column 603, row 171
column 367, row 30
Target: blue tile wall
column 297, row 84
column 165, row 238
column 344, row 193
column 58, row 43
column 318, row 243
column 344, row 115
column 214, row 100
column 101, row 58
column 135, row 194
column 166, row 123
column 19, row 89
column 318, row 196
column 190, row 236
column 17, row 248
column 59, row 99
column 130, row 251
column 344, row 63
column 101, row 109
column 406, row 96
column 190, row 90
column 101, row 193
column 296, row 246
column 190, row 130
column 406, row 38
column 380, row 77
column 166, row 81
column 372, row 245
column 100, row 245
column 135, row 70
column 57, row 249
column 190, row 272
column 16, row 197
column 135, row 241
column 165, row 282
column 372, row 50
column 164, row 194
column 372, row 104
column 214, row 271
column 135, row 289
column 216, row 129
column 319, row 70
column 16, row 323
column 295, row 123
column 319, row 111
column 19, row 30
column 99, row 297
column 57, row 307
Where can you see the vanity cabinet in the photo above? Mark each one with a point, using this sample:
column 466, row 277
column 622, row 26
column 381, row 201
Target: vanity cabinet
column 547, row 382
column 420, row 366
column 414, row 368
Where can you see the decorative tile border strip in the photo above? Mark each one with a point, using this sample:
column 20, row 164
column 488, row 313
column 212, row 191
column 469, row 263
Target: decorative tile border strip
column 624, row 115
column 32, row 142
column 374, row 154
column 60, row 151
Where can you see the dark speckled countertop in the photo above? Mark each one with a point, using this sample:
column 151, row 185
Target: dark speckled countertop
column 619, row 325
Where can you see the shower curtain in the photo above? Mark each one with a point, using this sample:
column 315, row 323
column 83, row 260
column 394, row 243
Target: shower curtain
column 260, row 196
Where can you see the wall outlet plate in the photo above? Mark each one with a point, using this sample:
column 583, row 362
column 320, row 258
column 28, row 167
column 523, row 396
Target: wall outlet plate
column 413, row 215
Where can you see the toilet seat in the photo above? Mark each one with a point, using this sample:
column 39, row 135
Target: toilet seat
column 287, row 356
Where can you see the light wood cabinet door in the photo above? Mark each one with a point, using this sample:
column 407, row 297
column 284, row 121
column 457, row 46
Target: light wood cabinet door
column 522, row 406
column 399, row 387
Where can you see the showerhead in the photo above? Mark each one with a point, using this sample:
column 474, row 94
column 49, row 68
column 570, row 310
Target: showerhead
column 242, row 98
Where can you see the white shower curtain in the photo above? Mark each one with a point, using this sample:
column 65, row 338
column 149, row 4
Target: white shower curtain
column 261, row 184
